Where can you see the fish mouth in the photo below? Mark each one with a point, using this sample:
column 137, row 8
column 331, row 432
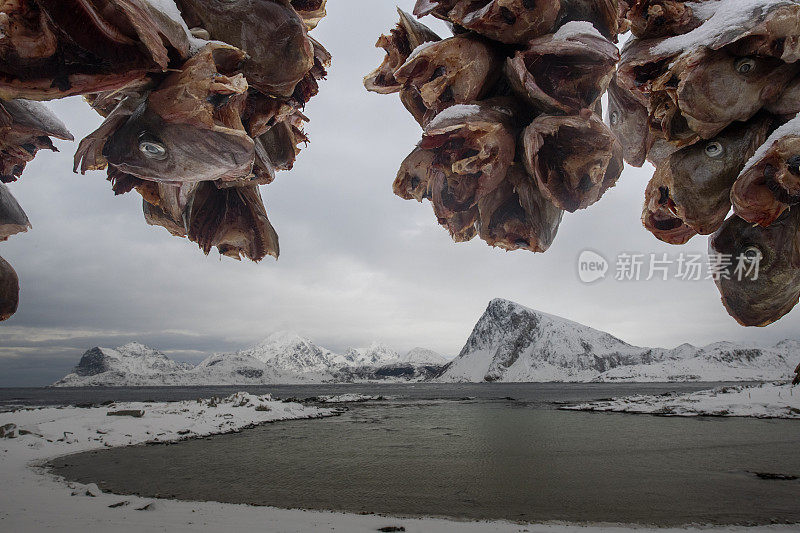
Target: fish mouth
column 667, row 227
column 776, row 186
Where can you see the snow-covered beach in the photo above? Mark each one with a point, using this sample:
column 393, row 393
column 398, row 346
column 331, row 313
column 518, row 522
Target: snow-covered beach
column 765, row 400
column 36, row 500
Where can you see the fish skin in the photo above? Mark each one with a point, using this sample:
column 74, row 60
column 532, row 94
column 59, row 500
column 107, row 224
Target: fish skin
column 270, row 32
column 777, row 290
column 9, row 290
column 771, row 185
column 700, row 185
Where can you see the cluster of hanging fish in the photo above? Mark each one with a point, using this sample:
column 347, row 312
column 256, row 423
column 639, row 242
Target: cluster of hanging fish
column 510, row 111
column 202, row 102
column 708, row 92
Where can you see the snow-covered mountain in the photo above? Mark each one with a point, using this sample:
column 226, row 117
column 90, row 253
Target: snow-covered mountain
column 133, row 363
column 423, row 356
column 289, row 352
column 512, row 343
column 376, row 354
column 280, row 358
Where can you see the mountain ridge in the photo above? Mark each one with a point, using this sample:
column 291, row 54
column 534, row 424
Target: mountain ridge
column 513, row 343
column 283, row 357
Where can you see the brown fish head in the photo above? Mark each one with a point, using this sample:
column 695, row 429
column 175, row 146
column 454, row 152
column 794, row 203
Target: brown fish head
column 516, row 216
column 661, row 18
column 150, row 148
column 9, row 290
column 640, row 64
column 454, row 71
column 399, row 44
column 414, row 177
column 575, row 159
column 271, row 32
column 232, row 219
column 476, row 143
column 700, row 176
column 716, row 88
column 660, row 217
column 25, row 128
column 564, row 72
column 451, row 198
column 507, row 21
column 763, row 299
column 771, row 185
column 13, row 219
column 628, row 119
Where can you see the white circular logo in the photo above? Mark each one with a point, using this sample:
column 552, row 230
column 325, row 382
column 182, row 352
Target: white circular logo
column 591, row 266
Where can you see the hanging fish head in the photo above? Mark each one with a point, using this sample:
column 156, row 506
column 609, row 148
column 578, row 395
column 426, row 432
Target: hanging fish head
column 150, row 148
column 760, row 274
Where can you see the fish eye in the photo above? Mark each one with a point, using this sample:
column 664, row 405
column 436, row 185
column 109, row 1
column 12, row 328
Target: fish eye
column 152, row 147
column 714, row 149
column 745, row 65
column 614, row 118
column 752, row 254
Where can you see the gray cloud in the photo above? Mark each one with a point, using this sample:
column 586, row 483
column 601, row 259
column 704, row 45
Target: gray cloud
column 357, row 263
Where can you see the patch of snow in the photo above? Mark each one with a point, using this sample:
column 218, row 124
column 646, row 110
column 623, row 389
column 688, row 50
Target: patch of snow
column 575, row 28
column 455, row 112
column 38, row 501
column 704, row 9
column 728, row 16
column 767, row 400
column 416, row 51
column 348, row 398
column 73, row 429
column 790, row 128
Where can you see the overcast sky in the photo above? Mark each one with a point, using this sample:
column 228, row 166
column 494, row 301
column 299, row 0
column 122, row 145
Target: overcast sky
column 357, row 263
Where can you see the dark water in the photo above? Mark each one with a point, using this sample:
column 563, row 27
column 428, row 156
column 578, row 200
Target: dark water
column 545, row 392
column 427, row 452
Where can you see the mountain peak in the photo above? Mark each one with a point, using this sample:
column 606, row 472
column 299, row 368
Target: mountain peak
column 423, row 356
column 511, row 342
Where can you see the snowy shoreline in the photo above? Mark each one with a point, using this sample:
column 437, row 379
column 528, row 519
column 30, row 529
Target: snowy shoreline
column 765, row 400
column 39, row 500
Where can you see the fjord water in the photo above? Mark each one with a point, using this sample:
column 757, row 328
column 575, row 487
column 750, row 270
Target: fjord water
column 479, row 452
